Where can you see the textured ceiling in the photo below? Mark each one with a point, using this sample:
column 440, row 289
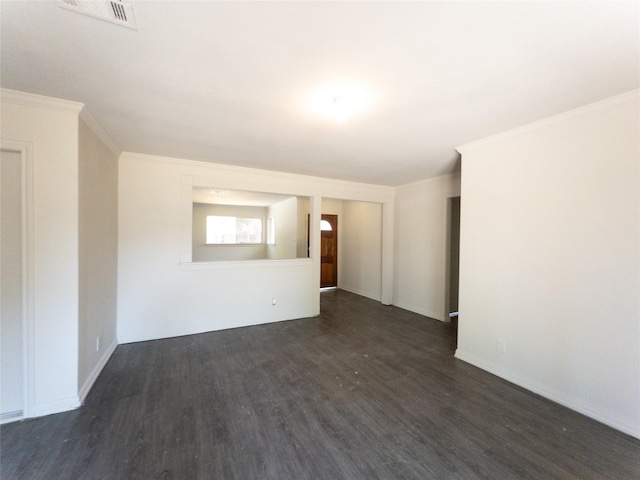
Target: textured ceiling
column 238, row 83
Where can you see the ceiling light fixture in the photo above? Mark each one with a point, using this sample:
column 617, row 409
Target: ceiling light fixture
column 340, row 106
column 340, row 101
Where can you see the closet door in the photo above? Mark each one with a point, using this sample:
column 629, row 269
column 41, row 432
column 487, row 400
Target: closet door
column 11, row 286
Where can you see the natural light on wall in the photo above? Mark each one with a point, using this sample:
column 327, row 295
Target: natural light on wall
column 340, row 101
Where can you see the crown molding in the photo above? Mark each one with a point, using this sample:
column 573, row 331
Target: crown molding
column 95, row 126
column 602, row 105
column 420, row 184
column 278, row 182
column 40, row 101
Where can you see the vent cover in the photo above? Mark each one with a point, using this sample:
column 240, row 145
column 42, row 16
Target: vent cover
column 114, row 11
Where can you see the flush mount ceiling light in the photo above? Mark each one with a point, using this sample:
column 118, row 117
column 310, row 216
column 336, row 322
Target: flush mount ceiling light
column 340, row 108
column 340, row 101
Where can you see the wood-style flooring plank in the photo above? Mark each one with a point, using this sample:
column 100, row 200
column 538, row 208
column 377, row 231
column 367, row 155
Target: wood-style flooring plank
column 364, row 391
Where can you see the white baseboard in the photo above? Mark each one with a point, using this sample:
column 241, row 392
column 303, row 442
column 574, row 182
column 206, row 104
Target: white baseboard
column 608, row 418
column 360, row 292
column 57, row 406
column 419, row 311
column 9, row 417
column 207, row 327
column 93, row 376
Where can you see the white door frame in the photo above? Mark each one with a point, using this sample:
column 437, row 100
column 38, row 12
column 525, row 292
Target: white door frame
column 25, row 149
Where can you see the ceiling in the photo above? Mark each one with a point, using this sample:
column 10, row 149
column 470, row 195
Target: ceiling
column 216, row 196
column 243, row 83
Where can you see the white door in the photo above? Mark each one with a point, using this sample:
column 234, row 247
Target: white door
column 11, row 286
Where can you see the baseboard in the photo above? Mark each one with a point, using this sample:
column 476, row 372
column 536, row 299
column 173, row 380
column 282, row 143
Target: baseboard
column 204, row 328
column 93, row 376
column 360, row 292
column 606, row 418
column 419, row 310
column 11, row 417
column 57, row 406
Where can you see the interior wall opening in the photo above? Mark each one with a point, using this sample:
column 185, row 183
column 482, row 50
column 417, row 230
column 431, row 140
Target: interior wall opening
column 234, row 225
column 355, row 259
column 453, row 260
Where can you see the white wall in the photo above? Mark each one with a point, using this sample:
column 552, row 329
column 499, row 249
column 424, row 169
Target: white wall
column 98, row 254
column 550, row 259
column 50, row 127
column 162, row 293
column 216, row 253
column 285, row 215
column 361, row 258
column 421, row 244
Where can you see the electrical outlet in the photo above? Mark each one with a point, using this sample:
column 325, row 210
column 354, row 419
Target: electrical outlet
column 501, row 346
column 273, row 301
column 98, row 343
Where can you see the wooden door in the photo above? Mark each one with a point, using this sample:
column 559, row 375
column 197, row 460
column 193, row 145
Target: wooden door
column 329, row 251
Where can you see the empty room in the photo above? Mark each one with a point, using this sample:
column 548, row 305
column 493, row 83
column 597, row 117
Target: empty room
column 319, row 240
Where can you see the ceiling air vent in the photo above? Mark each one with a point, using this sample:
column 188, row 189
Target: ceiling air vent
column 114, row 11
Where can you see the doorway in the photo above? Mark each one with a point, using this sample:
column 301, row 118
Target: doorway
column 329, row 251
column 453, row 258
column 11, row 281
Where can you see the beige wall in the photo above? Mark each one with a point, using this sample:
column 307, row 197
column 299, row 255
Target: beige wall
column 361, row 235
column 98, row 255
column 550, row 259
column 303, row 211
column 421, row 245
column 285, row 215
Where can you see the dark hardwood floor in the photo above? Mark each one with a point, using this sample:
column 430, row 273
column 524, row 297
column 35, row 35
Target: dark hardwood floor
column 362, row 392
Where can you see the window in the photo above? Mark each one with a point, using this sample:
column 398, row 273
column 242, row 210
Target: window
column 233, row 230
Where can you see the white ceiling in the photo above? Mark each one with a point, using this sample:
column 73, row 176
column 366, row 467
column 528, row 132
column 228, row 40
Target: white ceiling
column 234, row 82
column 216, row 196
